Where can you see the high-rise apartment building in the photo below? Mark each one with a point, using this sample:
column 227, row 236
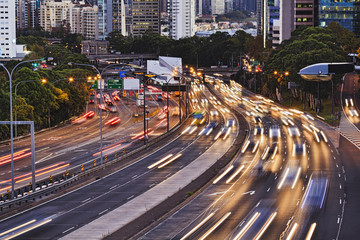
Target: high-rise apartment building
column 182, row 18
column 53, row 14
column 8, row 47
column 346, row 13
column 145, row 17
column 26, row 13
column 83, row 19
column 104, row 18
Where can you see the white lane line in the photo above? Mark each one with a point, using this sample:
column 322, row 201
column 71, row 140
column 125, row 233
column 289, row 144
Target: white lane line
column 134, row 176
column 86, row 200
column 268, row 190
column 152, row 185
column 68, row 230
column 114, row 187
column 130, row 197
column 100, row 213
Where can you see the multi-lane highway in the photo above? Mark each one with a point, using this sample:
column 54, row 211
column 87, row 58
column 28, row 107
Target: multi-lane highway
column 75, row 209
column 267, row 190
column 291, row 179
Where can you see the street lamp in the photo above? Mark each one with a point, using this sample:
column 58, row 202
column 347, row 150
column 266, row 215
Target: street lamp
column 10, row 75
column 101, row 99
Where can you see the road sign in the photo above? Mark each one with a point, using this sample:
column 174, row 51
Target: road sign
column 122, row 74
column 124, row 93
column 130, row 93
column 292, row 85
column 115, row 84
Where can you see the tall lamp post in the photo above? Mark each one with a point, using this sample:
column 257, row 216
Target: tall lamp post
column 101, row 100
column 10, row 75
column 145, row 133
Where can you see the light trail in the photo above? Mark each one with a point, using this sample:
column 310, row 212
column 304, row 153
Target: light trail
column 215, row 226
column 223, row 174
column 247, row 226
column 171, row 160
column 197, row 226
column 160, row 161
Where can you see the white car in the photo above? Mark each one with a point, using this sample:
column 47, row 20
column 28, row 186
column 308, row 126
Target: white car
column 353, row 112
column 214, row 112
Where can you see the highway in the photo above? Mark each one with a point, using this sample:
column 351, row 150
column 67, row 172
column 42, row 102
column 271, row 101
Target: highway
column 75, row 209
column 258, row 203
column 78, row 143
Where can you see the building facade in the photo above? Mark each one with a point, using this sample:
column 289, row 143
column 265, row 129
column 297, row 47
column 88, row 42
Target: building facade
column 145, row 17
column 8, row 47
column 217, row 7
column 306, row 13
column 182, row 18
column 53, row 14
column 346, row 13
column 83, row 19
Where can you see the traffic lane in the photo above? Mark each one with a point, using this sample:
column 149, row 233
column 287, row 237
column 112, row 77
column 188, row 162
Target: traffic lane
column 349, row 155
column 109, row 181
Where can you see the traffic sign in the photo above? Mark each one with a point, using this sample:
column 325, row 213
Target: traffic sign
column 124, row 93
column 122, row 74
column 115, row 84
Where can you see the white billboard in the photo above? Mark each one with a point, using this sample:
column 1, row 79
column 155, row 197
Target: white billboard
column 131, row 84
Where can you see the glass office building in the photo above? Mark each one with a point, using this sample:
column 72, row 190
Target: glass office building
column 345, row 12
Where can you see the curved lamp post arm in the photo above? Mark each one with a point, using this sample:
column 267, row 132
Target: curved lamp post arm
column 111, row 65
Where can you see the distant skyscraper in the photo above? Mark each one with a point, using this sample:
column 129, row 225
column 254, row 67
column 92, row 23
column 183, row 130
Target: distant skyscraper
column 182, row 18
column 217, row 7
column 287, row 15
column 346, row 13
column 105, row 18
column 199, row 7
column 26, row 13
column 145, row 16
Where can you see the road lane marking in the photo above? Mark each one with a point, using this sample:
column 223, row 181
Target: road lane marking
column 86, row 200
column 100, row 213
column 68, row 230
column 130, row 197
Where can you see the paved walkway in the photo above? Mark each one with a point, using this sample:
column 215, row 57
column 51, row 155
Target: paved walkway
column 349, row 130
column 116, row 219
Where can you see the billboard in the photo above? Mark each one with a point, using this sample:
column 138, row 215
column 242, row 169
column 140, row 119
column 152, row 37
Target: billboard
column 131, row 84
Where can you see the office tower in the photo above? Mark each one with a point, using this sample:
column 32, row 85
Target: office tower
column 145, row 17
column 199, row 8
column 53, row 14
column 217, row 7
column 182, row 18
column 163, row 5
column 287, row 15
column 306, row 13
column 229, row 6
column 346, row 13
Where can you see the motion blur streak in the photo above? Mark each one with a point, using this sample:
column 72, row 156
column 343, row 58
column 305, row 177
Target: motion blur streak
column 16, row 228
column 215, row 226
column 247, row 226
column 235, row 174
column 223, row 174
column 292, row 232
column 54, row 169
column 311, row 231
column 160, row 161
column 267, row 224
column 197, row 226
column 29, row 229
column 171, row 160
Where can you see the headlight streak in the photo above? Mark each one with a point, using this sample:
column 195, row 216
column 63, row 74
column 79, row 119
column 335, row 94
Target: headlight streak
column 197, row 226
column 311, row 231
column 215, row 226
column 284, row 177
column 292, row 232
column 247, row 226
column 171, row 160
column 223, row 174
column 267, row 224
column 296, row 178
column 160, row 161
column 235, row 174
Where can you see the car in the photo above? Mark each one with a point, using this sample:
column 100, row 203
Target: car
column 353, row 112
column 293, row 131
column 349, row 102
column 258, row 130
column 299, row 149
column 223, row 133
column 208, row 128
column 290, row 175
column 230, row 122
column 257, row 119
column 274, row 132
column 113, row 121
column 112, row 109
column 161, row 116
column 92, row 101
column 214, row 112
